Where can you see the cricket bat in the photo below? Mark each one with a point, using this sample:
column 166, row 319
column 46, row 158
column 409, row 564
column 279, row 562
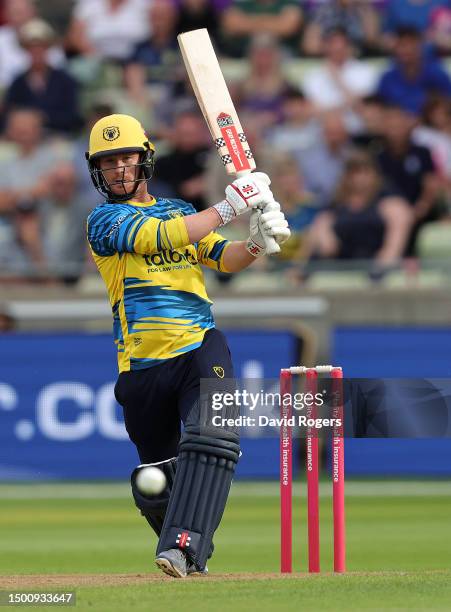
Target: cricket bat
column 217, row 108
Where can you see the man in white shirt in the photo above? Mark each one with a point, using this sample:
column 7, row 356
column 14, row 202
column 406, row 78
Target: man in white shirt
column 14, row 59
column 341, row 81
column 108, row 29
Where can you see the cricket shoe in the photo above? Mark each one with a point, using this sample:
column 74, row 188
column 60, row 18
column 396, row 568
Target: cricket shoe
column 191, row 569
column 172, row 562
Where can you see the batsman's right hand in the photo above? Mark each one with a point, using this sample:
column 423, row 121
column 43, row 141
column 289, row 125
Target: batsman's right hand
column 250, row 191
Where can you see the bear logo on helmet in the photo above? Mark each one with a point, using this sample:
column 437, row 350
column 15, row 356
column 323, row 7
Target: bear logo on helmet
column 111, row 133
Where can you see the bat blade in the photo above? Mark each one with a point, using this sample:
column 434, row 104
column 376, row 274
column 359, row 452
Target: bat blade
column 215, row 102
column 217, row 107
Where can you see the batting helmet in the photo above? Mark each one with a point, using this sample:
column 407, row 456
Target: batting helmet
column 119, row 134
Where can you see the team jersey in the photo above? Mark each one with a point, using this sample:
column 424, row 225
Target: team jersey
column 154, row 278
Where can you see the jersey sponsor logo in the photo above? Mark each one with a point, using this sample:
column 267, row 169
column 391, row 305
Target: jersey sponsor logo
column 166, row 257
column 219, row 371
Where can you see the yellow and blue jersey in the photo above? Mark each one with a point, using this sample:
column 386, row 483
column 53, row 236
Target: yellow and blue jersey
column 154, row 278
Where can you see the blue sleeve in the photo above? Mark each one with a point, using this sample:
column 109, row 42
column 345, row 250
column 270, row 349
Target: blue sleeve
column 384, row 85
column 113, row 228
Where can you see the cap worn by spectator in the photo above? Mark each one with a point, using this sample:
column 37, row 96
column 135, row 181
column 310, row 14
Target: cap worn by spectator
column 36, row 31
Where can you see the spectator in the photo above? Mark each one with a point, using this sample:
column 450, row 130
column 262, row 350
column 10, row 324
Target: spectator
column 299, row 206
column 438, row 34
column 358, row 19
column 154, row 60
column 14, row 59
column 363, row 223
column 322, row 164
column 183, row 168
column 408, row 168
column 413, row 14
column 341, row 81
column 412, row 76
column 247, row 18
column 84, row 181
column 195, row 14
column 22, row 186
column 62, row 216
column 371, row 111
column 50, row 90
column 262, row 91
column 299, row 128
column 435, row 133
column 108, row 29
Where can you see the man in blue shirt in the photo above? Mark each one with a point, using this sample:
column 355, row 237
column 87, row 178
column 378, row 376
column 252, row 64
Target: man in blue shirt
column 412, row 76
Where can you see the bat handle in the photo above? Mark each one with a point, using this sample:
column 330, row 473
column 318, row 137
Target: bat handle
column 271, row 245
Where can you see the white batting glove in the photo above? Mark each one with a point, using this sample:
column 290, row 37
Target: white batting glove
column 247, row 192
column 270, row 222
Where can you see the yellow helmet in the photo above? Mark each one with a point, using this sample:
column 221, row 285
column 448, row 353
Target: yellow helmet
column 119, row 134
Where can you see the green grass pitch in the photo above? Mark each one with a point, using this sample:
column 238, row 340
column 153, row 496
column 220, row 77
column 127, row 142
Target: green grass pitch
column 398, row 549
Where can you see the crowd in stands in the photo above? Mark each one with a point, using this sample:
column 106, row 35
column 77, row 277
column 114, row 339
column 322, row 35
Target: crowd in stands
column 345, row 103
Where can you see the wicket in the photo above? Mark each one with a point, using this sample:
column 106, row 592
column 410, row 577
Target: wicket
column 312, row 469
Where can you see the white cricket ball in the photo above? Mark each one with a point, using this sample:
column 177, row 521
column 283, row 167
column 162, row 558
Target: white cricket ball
column 150, row 480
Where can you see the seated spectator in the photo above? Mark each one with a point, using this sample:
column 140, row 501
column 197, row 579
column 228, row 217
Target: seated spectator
column 371, row 110
column 156, row 59
column 262, row 91
column 62, row 217
column 362, row 222
column 407, row 168
column 84, row 181
column 52, row 91
column 358, row 19
column 435, row 133
column 108, row 29
column 183, row 168
column 14, row 59
column 196, row 14
column 247, row 18
column 341, row 81
column 299, row 128
column 22, row 186
column 299, row 206
column 412, row 76
column 322, row 163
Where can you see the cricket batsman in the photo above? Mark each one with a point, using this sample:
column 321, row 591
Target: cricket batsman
column 150, row 252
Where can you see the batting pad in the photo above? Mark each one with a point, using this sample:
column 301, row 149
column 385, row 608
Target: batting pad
column 205, row 468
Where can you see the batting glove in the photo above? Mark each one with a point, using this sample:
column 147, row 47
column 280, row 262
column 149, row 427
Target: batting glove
column 271, row 222
column 250, row 191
